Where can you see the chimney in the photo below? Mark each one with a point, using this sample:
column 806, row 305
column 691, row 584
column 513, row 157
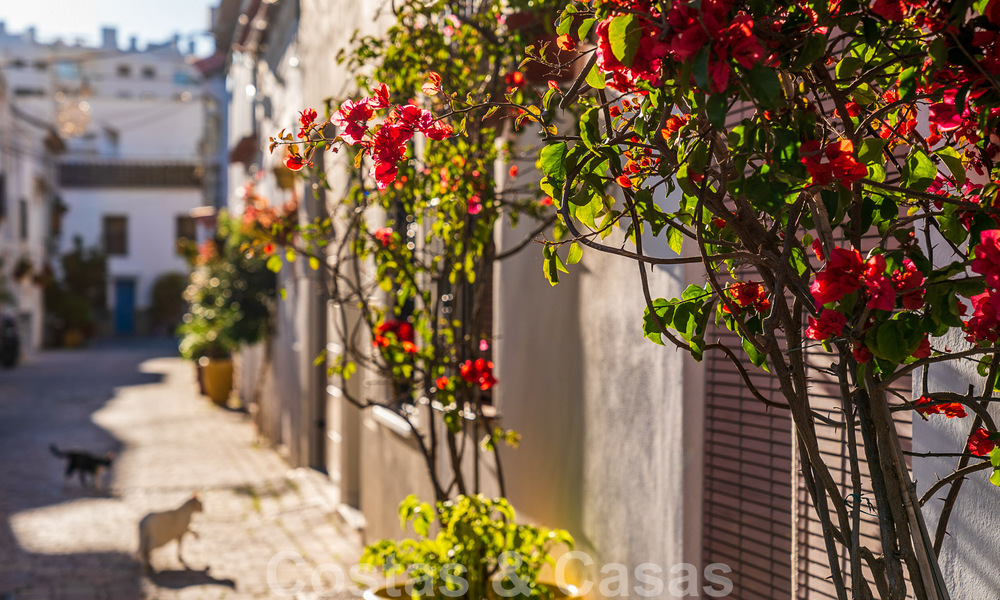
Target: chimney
column 3, row 28
column 31, row 34
column 133, row 44
column 176, row 41
column 109, row 36
column 191, row 47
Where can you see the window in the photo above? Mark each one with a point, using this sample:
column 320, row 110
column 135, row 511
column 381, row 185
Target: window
column 41, row 65
column 185, row 229
column 183, row 78
column 124, row 71
column 148, row 73
column 17, row 63
column 67, row 69
column 115, row 235
column 28, row 92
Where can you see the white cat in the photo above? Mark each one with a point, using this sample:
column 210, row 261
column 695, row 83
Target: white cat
column 158, row 528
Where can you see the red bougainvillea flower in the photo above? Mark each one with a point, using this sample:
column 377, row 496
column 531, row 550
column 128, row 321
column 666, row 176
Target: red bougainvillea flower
column 410, row 348
column 841, row 276
column 987, row 257
column 307, row 117
column 980, row 443
column 817, row 248
column 384, row 236
column 478, row 373
column 951, row 410
column 353, row 118
column 546, row 201
column 566, row 42
column 646, row 63
column 840, row 163
column 923, row 350
column 748, row 293
column 829, row 324
column 381, row 97
column 881, row 294
column 623, row 181
column 512, row 171
column 514, row 80
column 673, row 125
column 982, row 326
column 943, row 115
column 294, row 161
column 438, row 131
column 890, row 10
column 861, row 354
column 442, row 382
column 415, row 118
column 402, row 331
column 992, row 11
column 906, row 281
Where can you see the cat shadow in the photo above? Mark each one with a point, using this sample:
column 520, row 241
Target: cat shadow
column 177, row 579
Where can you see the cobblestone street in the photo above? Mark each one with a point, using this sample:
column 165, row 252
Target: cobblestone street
column 60, row 541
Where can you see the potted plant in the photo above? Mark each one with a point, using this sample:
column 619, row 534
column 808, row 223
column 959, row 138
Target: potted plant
column 489, row 555
column 230, row 295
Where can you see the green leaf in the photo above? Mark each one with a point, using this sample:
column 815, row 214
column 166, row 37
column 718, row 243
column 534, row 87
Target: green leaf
column 920, row 170
column 847, row 67
column 871, row 149
column 552, row 160
column 575, row 254
column 765, row 86
column 675, row 239
column 718, row 105
column 813, row 50
column 595, row 78
column 624, row 33
column 585, row 28
column 590, row 129
column 952, row 159
column 274, row 263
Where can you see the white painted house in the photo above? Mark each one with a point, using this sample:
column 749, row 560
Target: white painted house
column 133, row 123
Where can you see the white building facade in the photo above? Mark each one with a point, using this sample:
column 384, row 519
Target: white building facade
column 133, row 169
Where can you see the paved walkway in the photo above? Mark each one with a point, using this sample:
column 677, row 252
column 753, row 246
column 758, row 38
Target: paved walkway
column 59, row 541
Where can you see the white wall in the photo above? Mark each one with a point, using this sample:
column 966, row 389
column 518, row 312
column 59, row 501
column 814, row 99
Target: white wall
column 969, row 553
column 152, row 240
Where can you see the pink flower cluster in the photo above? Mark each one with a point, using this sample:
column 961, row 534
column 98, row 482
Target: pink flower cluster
column 386, row 144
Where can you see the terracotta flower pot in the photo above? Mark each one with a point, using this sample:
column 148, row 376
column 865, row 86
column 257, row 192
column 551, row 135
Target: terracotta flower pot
column 218, row 378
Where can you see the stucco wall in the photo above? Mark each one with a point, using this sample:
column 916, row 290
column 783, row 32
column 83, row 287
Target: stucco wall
column 152, row 236
column 968, row 558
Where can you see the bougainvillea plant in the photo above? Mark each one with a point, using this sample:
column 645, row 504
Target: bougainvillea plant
column 410, row 247
column 832, row 166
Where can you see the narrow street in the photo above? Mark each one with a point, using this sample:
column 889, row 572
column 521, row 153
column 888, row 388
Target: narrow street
column 60, row 541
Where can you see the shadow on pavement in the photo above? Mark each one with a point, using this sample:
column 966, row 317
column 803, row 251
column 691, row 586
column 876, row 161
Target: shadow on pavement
column 178, row 579
column 47, row 524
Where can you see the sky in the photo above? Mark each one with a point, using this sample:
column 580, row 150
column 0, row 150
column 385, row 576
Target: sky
column 149, row 20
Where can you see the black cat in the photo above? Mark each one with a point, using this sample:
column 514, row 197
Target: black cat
column 84, row 463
